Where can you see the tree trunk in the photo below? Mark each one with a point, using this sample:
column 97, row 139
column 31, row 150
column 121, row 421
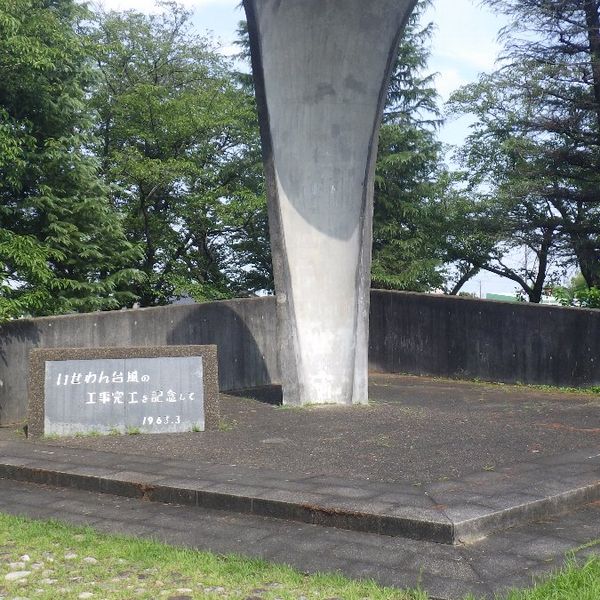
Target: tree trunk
column 588, row 258
column 592, row 18
column 543, row 254
column 463, row 279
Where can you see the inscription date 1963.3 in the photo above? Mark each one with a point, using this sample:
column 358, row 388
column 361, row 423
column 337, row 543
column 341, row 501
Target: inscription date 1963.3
column 162, row 420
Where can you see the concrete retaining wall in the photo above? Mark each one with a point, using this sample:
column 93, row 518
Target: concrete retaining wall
column 243, row 330
column 410, row 333
column 493, row 341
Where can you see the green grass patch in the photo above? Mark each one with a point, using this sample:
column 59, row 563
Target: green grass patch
column 87, row 434
column 593, row 391
column 227, row 424
column 574, row 582
column 586, row 391
column 66, row 561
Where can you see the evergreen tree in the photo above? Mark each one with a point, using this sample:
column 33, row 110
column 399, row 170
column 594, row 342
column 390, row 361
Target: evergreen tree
column 408, row 234
column 533, row 157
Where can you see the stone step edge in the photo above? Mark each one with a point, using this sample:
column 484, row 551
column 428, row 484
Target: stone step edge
column 441, row 531
column 473, row 530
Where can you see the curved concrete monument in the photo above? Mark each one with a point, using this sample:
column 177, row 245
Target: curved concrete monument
column 321, row 69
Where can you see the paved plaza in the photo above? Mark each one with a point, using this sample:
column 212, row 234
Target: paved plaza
column 456, row 487
column 416, row 430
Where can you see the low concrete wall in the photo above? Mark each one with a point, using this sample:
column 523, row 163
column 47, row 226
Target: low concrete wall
column 243, row 330
column 410, row 333
column 493, row 341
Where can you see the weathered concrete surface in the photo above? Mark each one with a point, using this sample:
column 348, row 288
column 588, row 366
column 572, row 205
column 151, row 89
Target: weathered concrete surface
column 321, row 71
column 451, row 512
column 409, row 333
column 416, row 431
column 489, row 569
column 477, row 339
column 63, row 405
column 243, row 331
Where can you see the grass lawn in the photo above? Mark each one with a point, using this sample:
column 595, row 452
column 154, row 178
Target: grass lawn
column 574, row 582
column 49, row 560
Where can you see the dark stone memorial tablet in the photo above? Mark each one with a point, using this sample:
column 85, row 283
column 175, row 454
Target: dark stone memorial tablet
column 103, row 390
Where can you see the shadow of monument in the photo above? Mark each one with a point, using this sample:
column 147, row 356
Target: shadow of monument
column 16, row 339
column 268, row 394
column 244, row 332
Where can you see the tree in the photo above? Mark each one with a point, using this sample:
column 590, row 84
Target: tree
column 62, row 247
column 533, row 157
column 578, row 294
column 500, row 221
column 180, row 147
column 408, row 236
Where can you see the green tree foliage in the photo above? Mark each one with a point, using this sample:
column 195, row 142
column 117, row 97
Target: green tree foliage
column 578, row 294
column 533, row 157
column 180, row 147
column 61, row 246
column 408, row 232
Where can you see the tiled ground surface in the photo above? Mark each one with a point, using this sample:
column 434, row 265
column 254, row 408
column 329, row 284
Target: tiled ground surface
column 447, row 512
column 509, row 559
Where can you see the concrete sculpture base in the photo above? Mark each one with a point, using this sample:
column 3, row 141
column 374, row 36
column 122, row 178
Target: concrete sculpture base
column 321, row 69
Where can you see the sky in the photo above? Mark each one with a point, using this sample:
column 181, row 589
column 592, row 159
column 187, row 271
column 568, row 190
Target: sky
column 464, row 45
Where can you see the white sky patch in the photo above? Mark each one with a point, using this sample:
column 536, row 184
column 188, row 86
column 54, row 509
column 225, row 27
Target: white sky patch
column 229, row 50
column 448, row 80
column 487, row 283
column 465, row 44
column 150, row 6
column 465, row 40
column 201, row 3
column 480, row 59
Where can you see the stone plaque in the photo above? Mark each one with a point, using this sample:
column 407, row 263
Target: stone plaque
column 121, row 390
